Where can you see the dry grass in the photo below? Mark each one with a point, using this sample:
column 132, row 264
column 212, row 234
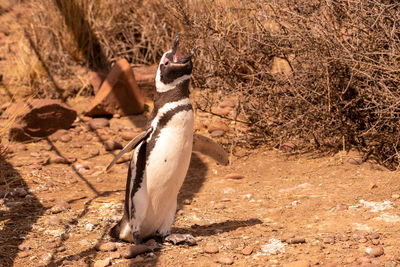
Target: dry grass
column 341, row 60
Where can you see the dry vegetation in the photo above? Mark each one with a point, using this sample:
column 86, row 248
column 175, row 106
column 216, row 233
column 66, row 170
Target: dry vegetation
column 341, row 84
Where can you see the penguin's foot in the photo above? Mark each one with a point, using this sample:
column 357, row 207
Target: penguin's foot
column 137, row 239
column 177, row 239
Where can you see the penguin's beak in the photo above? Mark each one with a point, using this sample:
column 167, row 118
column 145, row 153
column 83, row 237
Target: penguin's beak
column 177, row 58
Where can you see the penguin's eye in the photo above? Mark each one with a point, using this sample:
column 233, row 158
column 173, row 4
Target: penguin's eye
column 166, row 63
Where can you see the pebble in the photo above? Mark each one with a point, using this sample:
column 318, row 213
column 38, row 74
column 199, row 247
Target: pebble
column 54, row 220
column 60, row 206
column 46, row 258
column 98, row 123
column 181, row 239
column 374, row 236
column 372, row 186
column 99, row 180
column 89, row 227
column 61, row 249
column 329, row 240
column 128, row 135
column 247, row 250
column 302, row 263
column 112, row 145
column 225, row 260
column 211, row 249
column 35, row 154
column 19, row 192
column 344, row 238
column 24, row 246
column 234, row 176
column 217, row 133
column 133, row 251
column 21, row 147
column 396, row 196
column 56, row 159
column 94, row 152
column 108, row 246
column 353, row 161
column 47, row 147
column 375, row 252
column 115, row 255
column 102, row 263
column 57, row 135
column 66, row 138
column 23, row 254
column 296, row 240
column 217, row 126
column 375, row 242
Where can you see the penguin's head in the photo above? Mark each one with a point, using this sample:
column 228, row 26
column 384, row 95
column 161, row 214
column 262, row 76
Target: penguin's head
column 173, row 68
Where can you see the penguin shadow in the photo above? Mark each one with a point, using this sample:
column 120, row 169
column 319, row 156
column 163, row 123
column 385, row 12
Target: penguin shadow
column 19, row 211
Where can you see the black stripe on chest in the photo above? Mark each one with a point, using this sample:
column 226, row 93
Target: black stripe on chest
column 143, row 155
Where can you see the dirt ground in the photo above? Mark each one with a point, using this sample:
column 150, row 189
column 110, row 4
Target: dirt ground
column 277, row 209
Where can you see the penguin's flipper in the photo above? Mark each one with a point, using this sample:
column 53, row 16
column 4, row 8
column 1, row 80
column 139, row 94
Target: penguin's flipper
column 210, row 148
column 130, row 146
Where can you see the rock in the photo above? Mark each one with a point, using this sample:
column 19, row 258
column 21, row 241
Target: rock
column 344, row 238
column 24, row 246
column 353, row 161
column 375, row 242
column 374, row 236
column 118, row 94
column 21, row 147
column 181, row 239
column 54, row 220
column 372, row 186
column 135, row 250
column 221, row 111
column 54, row 137
column 96, row 79
column 60, row 207
column 39, row 118
column 89, row 227
column 94, row 152
column 56, row 159
column 287, row 147
column 108, row 246
column 375, row 252
column 211, row 249
column 102, row 263
column 247, row 250
column 46, row 258
column 234, row 176
column 280, row 66
column 217, row 126
column 115, row 255
column 128, row 135
column 66, row 138
column 225, row 260
column 145, row 78
column 98, row 123
column 19, row 192
column 302, row 263
column 328, row 240
column 23, row 254
column 217, row 133
column 111, row 145
column 295, row 240
column 396, row 196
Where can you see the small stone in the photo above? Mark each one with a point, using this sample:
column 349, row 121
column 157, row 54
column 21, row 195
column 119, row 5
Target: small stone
column 329, row 240
column 51, row 245
column 302, row 263
column 115, row 255
column 396, row 196
column 353, row 161
column 187, row 202
column 225, row 260
column 54, row 220
column 375, row 242
column 89, row 227
column 60, row 206
column 344, row 238
column 23, row 254
column 181, row 239
column 350, row 260
column 102, row 263
column 19, row 192
column 234, row 176
column 60, row 249
column 66, row 138
column 128, row 135
column 217, row 126
column 217, row 133
column 21, row 147
column 111, row 145
column 56, row 159
column 363, row 240
column 375, row 252
column 211, row 249
column 94, row 152
column 109, row 246
column 372, row 186
column 46, row 258
column 296, row 240
column 133, row 251
column 247, row 250
column 24, row 246
column 374, row 236
column 98, row 123
column 99, row 180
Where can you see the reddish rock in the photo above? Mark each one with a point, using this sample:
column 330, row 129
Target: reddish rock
column 145, row 78
column 118, row 94
column 108, row 246
column 133, row 251
column 38, row 118
column 96, row 79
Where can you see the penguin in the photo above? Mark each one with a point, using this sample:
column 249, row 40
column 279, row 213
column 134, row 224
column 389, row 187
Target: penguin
column 162, row 154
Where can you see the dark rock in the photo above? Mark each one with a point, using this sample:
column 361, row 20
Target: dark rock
column 39, row 118
column 118, row 94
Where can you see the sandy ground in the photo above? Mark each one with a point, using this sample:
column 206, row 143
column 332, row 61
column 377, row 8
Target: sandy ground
column 277, row 209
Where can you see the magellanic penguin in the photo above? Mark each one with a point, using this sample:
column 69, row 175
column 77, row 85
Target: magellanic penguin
column 162, row 154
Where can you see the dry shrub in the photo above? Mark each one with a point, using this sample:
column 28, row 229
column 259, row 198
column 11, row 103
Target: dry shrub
column 341, row 61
